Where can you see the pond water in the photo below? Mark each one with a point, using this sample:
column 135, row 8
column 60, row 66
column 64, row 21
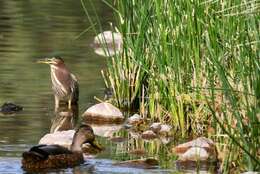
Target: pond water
column 34, row 29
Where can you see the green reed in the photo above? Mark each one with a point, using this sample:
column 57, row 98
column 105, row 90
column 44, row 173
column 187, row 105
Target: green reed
column 194, row 64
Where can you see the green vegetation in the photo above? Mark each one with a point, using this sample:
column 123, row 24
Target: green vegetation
column 196, row 65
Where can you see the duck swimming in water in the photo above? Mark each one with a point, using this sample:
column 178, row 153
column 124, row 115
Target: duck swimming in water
column 55, row 156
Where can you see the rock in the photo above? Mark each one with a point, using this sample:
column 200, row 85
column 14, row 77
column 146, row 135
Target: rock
column 161, row 129
column 106, row 130
column 128, row 126
column 138, row 152
column 136, row 119
column 194, row 154
column 165, row 130
column 108, row 43
column 200, row 149
column 103, row 113
column 148, row 163
column 10, row 108
column 118, row 139
column 134, row 134
column 155, row 127
column 201, row 142
column 148, row 135
column 63, row 138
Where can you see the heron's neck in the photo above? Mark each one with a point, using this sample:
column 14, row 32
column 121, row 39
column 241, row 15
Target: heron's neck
column 60, row 66
column 53, row 75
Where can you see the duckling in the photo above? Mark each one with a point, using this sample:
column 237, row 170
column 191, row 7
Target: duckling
column 55, row 156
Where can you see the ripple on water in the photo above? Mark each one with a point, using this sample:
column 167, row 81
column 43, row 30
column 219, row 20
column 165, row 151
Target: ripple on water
column 10, row 165
column 97, row 166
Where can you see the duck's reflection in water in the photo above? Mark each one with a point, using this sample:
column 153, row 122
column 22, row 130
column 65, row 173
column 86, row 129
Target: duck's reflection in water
column 65, row 119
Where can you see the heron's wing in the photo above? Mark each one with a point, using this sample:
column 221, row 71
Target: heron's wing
column 75, row 89
column 63, row 79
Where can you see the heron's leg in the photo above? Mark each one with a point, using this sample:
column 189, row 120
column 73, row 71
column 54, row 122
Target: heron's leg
column 69, row 104
column 57, row 103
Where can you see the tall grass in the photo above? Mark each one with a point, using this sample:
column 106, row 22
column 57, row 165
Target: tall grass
column 194, row 64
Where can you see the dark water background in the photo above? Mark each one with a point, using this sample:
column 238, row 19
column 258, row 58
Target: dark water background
column 34, row 29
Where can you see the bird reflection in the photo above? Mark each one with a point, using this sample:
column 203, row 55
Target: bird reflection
column 65, row 119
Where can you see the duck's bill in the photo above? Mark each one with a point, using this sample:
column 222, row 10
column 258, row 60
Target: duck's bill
column 96, row 145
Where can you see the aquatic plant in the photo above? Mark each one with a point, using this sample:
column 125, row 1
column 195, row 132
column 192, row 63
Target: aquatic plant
column 194, row 64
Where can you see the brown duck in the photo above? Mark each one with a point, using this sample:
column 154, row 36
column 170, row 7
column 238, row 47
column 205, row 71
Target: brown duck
column 55, row 156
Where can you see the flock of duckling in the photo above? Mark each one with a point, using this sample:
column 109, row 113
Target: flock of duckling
column 45, row 156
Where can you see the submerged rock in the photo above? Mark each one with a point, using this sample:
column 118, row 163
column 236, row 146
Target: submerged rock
column 118, row 139
column 106, row 130
column 156, row 127
column 201, row 142
column 200, row 149
column 194, row 154
column 10, row 108
column 161, row 129
column 138, row 152
column 128, row 126
column 148, row 163
column 148, row 135
column 136, row 119
column 108, row 43
column 134, row 134
column 165, row 130
column 103, row 113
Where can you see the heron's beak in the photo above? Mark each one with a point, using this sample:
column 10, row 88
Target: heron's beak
column 46, row 61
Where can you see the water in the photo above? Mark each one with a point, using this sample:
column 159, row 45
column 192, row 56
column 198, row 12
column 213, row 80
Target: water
column 34, row 29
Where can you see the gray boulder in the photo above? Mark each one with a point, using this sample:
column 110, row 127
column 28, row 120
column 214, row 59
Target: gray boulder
column 108, row 43
column 200, row 149
column 136, row 119
column 148, row 135
column 103, row 113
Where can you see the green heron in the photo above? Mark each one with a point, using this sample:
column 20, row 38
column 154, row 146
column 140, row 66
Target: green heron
column 64, row 83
